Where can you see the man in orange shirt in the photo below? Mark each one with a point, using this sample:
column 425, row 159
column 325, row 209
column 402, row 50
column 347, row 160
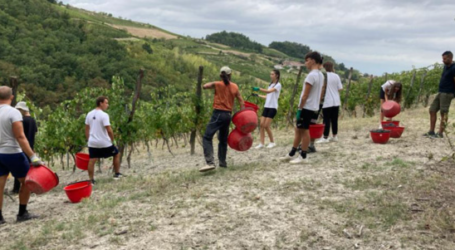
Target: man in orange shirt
column 223, row 102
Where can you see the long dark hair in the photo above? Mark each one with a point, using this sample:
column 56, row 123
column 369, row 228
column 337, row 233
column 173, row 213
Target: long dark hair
column 226, row 78
column 396, row 96
column 277, row 73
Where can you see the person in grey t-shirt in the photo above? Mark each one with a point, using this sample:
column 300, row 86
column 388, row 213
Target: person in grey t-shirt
column 13, row 144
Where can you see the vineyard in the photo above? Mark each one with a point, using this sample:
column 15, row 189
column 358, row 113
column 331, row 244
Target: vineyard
column 172, row 115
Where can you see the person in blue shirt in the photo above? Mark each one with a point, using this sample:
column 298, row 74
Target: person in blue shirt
column 444, row 98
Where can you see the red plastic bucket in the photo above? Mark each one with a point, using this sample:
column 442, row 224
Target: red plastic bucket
column 396, row 132
column 245, row 120
column 387, row 124
column 82, row 160
column 251, row 105
column 380, row 137
column 41, row 179
column 239, row 141
column 390, row 109
column 78, row 191
column 316, row 131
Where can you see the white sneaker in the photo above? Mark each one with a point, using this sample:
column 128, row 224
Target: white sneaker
column 299, row 160
column 259, row 146
column 322, row 140
column 287, row 157
column 333, row 139
column 271, row 145
column 207, row 168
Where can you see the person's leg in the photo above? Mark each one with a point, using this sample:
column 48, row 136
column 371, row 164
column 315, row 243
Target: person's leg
column 207, row 143
column 446, row 100
column 3, row 179
column 17, row 186
column 327, row 115
column 434, row 108
column 222, row 138
column 305, row 140
column 267, row 123
column 116, row 162
column 334, row 120
column 24, row 194
column 91, row 168
column 262, row 130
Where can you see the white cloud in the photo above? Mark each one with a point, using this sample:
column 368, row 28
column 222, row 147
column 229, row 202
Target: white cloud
column 372, row 36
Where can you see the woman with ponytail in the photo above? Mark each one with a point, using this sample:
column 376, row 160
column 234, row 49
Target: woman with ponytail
column 223, row 103
column 270, row 107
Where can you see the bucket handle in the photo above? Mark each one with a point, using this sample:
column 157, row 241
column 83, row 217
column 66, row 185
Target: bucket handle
column 58, row 179
column 252, row 95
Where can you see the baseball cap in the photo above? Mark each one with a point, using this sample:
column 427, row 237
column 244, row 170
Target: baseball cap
column 22, row 105
column 226, row 69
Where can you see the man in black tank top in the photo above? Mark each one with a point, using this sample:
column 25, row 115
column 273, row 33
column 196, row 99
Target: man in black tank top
column 30, row 130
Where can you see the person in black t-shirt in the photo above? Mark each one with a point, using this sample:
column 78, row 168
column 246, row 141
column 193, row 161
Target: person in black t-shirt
column 444, row 98
column 30, row 130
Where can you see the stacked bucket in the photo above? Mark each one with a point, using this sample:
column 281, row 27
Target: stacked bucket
column 391, row 129
column 245, row 121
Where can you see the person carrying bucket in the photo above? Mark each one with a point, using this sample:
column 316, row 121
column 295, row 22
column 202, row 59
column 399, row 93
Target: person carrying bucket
column 270, row 107
column 30, row 130
column 223, row 103
column 100, row 138
column 444, row 98
column 307, row 108
column 331, row 104
column 13, row 145
column 390, row 91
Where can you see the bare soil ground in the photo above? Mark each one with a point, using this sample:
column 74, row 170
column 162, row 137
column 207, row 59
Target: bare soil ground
column 353, row 194
column 145, row 32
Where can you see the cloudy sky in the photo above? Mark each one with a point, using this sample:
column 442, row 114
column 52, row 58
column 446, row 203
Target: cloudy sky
column 375, row 36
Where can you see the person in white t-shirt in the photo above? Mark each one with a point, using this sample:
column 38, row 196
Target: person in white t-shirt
column 100, row 138
column 270, row 107
column 14, row 147
column 331, row 104
column 390, row 90
column 308, row 107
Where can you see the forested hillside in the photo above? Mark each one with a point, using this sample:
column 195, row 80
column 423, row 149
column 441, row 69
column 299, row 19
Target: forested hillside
column 234, row 40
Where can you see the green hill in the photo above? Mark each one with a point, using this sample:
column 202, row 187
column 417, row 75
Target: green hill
column 57, row 50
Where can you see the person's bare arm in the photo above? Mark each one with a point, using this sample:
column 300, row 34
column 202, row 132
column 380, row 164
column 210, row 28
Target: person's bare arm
column 87, row 131
column 18, row 131
column 240, row 99
column 110, row 133
column 386, row 94
column 305, row 96
column 209, row 85
column 267, row 90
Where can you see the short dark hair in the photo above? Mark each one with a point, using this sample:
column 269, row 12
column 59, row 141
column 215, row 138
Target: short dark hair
column 328, row 66
column 100, row 100
column 447, row 53
column 315, row 56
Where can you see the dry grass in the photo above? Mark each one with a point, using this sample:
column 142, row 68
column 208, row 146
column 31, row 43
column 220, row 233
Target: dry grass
column 354, row 194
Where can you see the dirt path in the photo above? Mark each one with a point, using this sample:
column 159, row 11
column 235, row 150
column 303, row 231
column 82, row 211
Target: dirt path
column 353, row 195
column 145, row 32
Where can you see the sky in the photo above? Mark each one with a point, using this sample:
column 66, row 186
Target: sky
column 374, row 37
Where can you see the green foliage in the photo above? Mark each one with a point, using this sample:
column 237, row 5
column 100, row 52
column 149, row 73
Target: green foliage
column 293, row 49
column 234, row 40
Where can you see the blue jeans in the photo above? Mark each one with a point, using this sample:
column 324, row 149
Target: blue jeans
column 220, row 121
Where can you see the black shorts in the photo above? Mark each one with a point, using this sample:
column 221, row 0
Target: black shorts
column 382, row 94
column 307, row 117
column 16, row 164
column 96, row 153
column 269, row 113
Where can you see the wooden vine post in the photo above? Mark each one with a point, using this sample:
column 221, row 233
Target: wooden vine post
column 422, row 81
column 14, row 84
column 347, row 90
column 370, row 84
column 409, row 91
column 137, row 92
column 291, row 101
column 198, row 106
